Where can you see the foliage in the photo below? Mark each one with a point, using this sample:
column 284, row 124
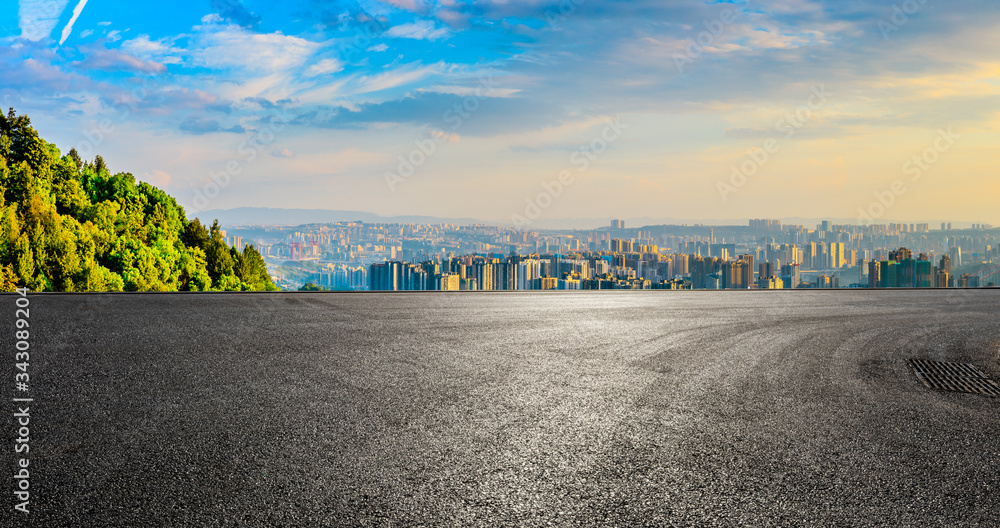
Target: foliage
column 311, row 286
column 70, row 225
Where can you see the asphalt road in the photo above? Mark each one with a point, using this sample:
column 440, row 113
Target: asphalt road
column 535, row 409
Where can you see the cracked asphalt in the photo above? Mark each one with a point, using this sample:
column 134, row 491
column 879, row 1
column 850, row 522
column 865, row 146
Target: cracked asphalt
column 790, row 408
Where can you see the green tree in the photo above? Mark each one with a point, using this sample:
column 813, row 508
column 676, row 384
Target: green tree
column 252, row 270
column 70, row 225
column 217, row 254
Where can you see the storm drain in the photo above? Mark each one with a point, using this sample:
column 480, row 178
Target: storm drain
column 960, row 377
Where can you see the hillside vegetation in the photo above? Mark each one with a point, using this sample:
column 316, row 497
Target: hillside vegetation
column 70, row 225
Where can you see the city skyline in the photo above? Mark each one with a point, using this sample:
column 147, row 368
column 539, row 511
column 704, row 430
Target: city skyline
column 535, row 110
column 761, row 254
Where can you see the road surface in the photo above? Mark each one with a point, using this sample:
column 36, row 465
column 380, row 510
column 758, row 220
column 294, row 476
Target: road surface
column 531, row 409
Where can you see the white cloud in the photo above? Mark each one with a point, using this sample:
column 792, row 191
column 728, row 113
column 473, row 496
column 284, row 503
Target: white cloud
column 228, row 46
column 324, row 67
column 162, row 50
column 37, row 18
column 69, row 25
column 378, row 48
column 282, row 153
column 421, row 30
column 231, row 46
column 406, row 74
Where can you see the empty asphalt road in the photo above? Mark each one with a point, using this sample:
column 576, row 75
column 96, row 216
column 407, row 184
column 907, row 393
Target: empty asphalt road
column 565, row 409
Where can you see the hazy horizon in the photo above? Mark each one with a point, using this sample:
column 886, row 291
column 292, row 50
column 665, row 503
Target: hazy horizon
column 245, row 215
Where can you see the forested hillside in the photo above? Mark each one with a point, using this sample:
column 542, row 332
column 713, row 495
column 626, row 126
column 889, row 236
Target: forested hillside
column 70, row 225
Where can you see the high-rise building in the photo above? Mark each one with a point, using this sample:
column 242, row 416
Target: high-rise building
column 772, row 283
column 923, row 273
column 945, row 264
column 450, row 282
column 809, row 255
column 790, row 275
column 956, row 256
column 385, row 276
column 765, row 270
column 747, row 269
column 900, row 254
column 836, row 255
column 874, row 275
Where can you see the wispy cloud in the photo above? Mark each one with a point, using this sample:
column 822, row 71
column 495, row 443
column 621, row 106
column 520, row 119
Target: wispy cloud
column 324, row 67
column 421, row 29
column 161, row 50
column 401, row 76
column 199, row 126
column 37, row 18
column 436, row 111
column 116, row 60
column 69, row 25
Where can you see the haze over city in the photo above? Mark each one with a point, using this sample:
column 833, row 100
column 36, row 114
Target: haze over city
column 694, row 110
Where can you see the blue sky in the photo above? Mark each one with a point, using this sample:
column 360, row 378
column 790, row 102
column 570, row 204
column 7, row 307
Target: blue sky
column 474, row 108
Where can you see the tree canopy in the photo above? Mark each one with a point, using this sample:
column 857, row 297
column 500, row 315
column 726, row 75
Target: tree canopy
column 70, row 225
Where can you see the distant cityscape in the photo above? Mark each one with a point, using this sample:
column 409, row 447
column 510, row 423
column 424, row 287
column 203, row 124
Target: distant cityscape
column 761, row 255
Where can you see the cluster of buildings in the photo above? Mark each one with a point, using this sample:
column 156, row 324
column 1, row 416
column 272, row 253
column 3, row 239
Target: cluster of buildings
column 522, row 272
column 762, row 254
column 653, row 270
column 902, row 270
column 342, row 277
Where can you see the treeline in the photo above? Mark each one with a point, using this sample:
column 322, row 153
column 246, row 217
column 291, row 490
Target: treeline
column 70, row 225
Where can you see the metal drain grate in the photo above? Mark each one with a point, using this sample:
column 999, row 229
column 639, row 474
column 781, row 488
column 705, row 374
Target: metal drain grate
column 961, row 377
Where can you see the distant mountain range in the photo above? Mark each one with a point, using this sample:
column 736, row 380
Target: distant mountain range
column 272, row 216
column 292, row 217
